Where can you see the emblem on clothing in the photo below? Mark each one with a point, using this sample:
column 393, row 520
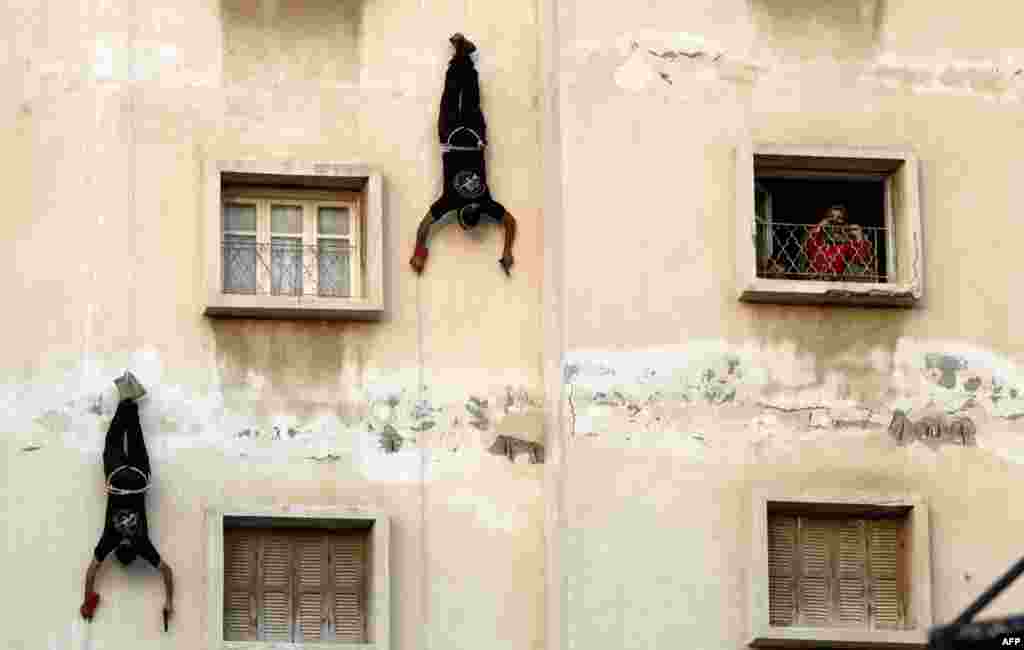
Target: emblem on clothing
column 126, row 522
column 469, row 185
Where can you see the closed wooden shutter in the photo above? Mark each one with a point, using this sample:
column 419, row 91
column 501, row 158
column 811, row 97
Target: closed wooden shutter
column 851, row 582
column 312, row 586
column 884, row 544
column 815, row 596
column 240, row 586
column 348, row 573
column 836, row 572
column 295, row 585
column 781, row 569
column 276, row 581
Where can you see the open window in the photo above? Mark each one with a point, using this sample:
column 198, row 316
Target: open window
column 828, row 225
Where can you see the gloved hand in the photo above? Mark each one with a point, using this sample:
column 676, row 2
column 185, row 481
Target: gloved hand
column 88, row 608
column 419, row 259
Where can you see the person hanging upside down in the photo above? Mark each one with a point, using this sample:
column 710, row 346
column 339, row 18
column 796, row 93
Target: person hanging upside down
column 463, row 135
column 126, row 467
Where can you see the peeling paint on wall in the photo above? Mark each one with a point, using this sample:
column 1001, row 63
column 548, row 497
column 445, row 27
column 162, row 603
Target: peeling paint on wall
column 384, row 438
column 512, row 448
column 954, row 393
column 650, row 56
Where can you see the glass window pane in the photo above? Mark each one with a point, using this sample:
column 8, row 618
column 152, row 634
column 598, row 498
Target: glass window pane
column 239, row 216
column 333, row 260
column 286, row 219
column 286, row 266
column 333, row 221
column 239, row 264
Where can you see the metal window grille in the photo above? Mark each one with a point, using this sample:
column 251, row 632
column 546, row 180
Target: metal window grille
column 798, row 251
column 292, row 269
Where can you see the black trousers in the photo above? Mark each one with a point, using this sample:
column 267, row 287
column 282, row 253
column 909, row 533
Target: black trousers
column 461, row 124
column 124, row 444
column 460, row 102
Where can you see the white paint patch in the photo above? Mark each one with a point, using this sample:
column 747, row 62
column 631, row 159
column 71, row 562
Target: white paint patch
column 636, row 73
column 103, row 61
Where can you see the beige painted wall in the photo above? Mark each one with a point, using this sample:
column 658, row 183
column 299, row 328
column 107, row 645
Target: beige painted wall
column 635, row 531
column 110, row 110
column 683, row 400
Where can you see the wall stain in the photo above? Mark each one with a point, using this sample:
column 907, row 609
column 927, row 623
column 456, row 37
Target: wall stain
column 329, row 458
column 390, row 440
column 477, row 408
column 511, row 447
column 933, row 430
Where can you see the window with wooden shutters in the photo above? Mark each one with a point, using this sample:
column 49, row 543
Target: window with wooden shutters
column 836, row 572
column 295, row 585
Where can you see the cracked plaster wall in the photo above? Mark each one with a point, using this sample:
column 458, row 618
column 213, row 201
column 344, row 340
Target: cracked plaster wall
column 112, row 108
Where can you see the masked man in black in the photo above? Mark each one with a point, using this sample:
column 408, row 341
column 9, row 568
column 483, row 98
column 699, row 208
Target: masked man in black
column 127, row 471
column 463, row 135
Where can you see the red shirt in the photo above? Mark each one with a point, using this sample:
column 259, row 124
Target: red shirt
column 832, row 258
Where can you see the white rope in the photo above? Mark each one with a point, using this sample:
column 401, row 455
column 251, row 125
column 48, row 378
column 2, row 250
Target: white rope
column 122, row 491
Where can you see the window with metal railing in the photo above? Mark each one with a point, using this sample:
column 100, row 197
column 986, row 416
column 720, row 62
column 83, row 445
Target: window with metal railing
column 826, row 227
column 290, row 243
column 828, row 224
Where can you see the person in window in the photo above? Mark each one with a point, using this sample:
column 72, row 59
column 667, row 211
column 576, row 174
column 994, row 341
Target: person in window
column 463, row 133
column 836, row 248
column 127, row 471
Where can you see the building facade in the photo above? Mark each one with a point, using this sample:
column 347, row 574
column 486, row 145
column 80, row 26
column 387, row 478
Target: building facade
column 632, row 440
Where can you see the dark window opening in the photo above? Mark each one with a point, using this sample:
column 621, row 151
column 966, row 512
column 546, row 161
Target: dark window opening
column 821, row 228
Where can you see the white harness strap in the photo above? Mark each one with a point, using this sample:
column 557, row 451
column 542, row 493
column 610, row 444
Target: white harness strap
column 447, row 146
column 121, row 491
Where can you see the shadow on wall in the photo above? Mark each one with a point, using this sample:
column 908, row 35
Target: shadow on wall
column 841, row 28
column 291, row 40
column 298, row 364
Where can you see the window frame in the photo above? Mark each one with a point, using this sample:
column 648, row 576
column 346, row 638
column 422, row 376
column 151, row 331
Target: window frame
column 905, row 285
column 297, row 181
column 763, row 634
column 309, row 202
column 379, row 606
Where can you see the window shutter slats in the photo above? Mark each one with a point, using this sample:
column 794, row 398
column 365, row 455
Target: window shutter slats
column 238, row 617
column 276, row 616
column 239, row 585
column 276, row 610
column 238, row 559
column 781, row 582
column 831, row 571
column 884, row 557
column 348, row 554
column 276, row 562
column 295, row 585
column 852, row 597
column 311, row 616
column 815, row 593
column 348, row 616
column 312, row 577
